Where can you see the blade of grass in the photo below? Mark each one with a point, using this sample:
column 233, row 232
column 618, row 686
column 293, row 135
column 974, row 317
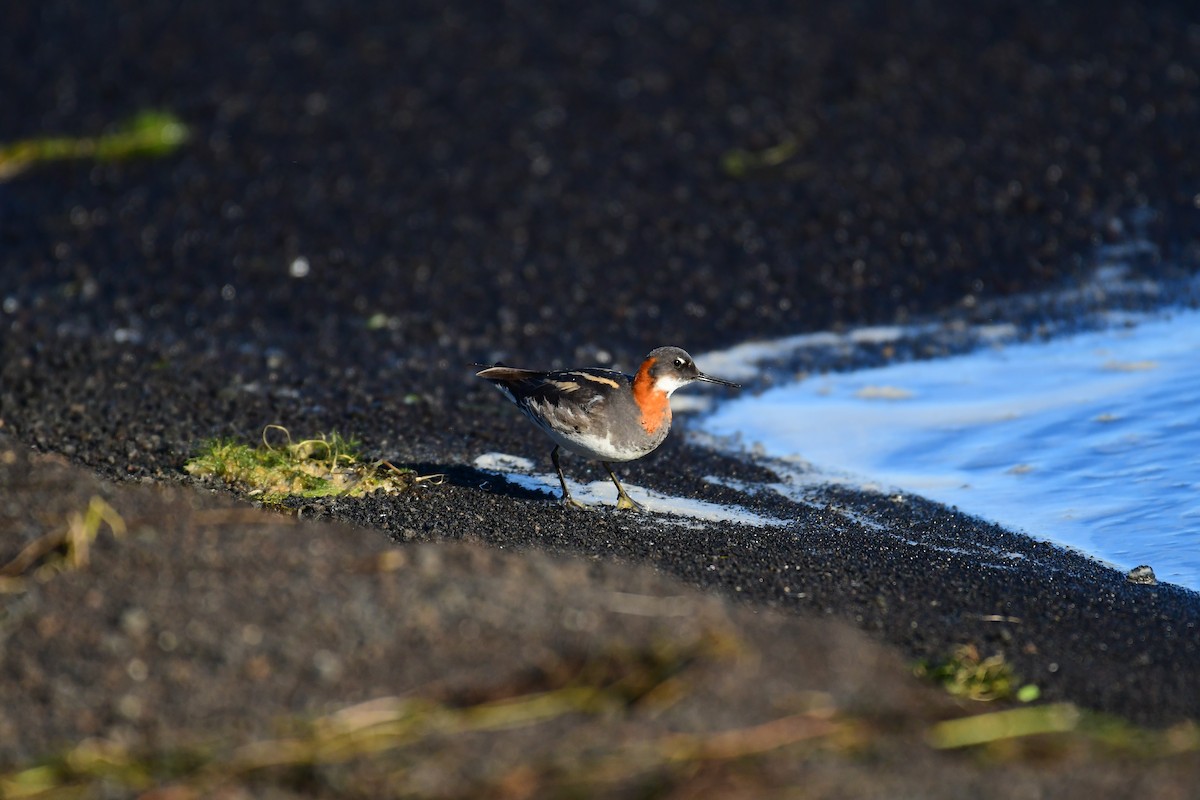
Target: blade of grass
column 1009, row 724
column 150, row 134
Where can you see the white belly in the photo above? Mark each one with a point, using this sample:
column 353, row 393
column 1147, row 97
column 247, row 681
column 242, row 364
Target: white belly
column 594, row 447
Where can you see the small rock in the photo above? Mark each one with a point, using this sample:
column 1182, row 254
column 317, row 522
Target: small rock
column 1143, row 575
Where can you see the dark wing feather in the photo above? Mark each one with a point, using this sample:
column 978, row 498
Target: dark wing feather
column 566, row 392
column 503, row 374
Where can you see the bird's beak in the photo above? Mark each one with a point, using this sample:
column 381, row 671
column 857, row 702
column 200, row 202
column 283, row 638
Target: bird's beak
column 717, row 381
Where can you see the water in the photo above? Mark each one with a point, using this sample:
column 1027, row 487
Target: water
column 1091, row 440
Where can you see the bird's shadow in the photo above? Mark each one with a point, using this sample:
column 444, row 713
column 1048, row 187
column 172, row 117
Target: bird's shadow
column 473, row 478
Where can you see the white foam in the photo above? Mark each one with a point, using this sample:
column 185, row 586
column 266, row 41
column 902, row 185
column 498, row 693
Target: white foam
column 741, row 362
column 520, row 472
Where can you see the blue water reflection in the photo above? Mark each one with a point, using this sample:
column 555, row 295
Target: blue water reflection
column 1091, row 440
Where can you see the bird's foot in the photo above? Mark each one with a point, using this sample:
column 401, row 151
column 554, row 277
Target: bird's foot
column 571, row 503
column 627, row 503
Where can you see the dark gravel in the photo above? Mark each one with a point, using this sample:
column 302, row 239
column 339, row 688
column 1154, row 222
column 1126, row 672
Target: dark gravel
column 552, row 185
column 211, row 625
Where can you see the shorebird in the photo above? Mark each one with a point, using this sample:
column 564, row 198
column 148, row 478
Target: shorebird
column 602, row 414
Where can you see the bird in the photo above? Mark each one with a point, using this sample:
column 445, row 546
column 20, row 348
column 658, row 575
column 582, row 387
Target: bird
column 602, row 414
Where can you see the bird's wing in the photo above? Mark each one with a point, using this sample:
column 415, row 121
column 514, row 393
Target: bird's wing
column 583, row 389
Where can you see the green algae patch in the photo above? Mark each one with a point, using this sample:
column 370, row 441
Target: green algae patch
column 326, row 466
column 150, row 134
column 967, row 674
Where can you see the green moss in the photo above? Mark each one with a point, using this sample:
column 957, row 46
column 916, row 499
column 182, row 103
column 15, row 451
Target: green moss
column 322, row 467
column 150, row 134
column 966, row 674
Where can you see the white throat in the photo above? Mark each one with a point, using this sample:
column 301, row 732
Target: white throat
column 669, row 383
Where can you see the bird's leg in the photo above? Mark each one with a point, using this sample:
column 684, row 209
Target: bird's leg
column 624, row 501
column 567, row 500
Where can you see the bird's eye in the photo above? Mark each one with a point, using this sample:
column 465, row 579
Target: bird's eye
column 679, row 362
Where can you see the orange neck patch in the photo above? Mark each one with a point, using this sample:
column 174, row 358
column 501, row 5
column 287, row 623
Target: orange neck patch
column 656, row 408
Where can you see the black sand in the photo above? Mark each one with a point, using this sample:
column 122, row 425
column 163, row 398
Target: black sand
column 552, row 186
